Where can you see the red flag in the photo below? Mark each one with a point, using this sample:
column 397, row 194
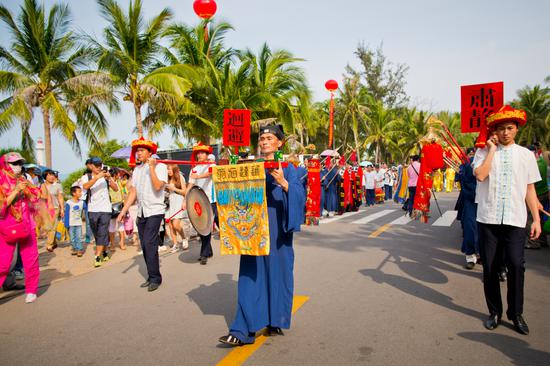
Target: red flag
column 353, row 157
column 328, row 162
column 342, row 160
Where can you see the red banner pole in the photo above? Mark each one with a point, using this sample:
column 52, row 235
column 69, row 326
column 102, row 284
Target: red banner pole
column 331, row 125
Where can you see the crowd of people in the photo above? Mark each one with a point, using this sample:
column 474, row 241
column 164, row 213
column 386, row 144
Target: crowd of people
column 498, row 184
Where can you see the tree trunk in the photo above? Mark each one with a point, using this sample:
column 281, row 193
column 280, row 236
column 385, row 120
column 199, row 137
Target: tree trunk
column 377, row 160
column 139, row 122
column 47, row 136
column 356, row 139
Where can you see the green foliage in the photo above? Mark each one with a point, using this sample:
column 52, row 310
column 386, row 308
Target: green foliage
column 69, row 181
column 43, row 68
column 106, row 149
column 27, row 155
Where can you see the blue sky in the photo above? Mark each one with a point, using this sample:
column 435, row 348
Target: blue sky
column 445, row 43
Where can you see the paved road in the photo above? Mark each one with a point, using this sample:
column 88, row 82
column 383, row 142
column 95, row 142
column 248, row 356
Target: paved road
column 402, row 297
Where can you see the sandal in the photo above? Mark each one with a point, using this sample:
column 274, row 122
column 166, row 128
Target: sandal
column 231, row 340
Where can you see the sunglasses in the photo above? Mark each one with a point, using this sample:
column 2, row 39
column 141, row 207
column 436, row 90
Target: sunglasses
column 19, row 162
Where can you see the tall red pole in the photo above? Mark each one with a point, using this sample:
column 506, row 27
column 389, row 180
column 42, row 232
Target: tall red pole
column 331, row 86
column 331, row 125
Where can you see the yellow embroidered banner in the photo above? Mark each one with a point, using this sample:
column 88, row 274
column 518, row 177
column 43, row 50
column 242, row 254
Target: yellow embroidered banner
column 242, row 208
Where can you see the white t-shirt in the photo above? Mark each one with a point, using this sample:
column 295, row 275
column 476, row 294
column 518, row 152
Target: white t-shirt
column 204, row 183
column 369, row 179
column 388, row 181
column 150, row 201
column 99, row 200
column 76, row 210
column 380, row 178
column 501, row 197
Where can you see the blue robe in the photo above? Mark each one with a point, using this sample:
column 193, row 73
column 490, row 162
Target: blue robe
column 330, row 188
column 467, row 209
column 266, row 284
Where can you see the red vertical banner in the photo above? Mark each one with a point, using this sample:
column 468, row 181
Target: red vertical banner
column 477, row 102
column 313, row 199
column 331, row 125
column 236, row 127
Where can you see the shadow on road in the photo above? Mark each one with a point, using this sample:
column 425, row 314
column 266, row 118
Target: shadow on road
column 421, row 291
column 138, row 262
column 519, row 351
column 225, row 293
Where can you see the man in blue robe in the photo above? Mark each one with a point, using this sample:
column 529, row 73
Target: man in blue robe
column 467, row 209
column 266, row 283
column 330, row 187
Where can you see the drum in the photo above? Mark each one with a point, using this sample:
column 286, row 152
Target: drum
column 199, row 210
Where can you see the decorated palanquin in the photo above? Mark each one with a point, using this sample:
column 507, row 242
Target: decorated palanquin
column 431, row 159
column 242, row 208
column 313, row 199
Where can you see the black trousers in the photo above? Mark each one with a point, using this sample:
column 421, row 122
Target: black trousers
column 496, row 242
column 206, row 240
column 148, row 230
column 412, row 193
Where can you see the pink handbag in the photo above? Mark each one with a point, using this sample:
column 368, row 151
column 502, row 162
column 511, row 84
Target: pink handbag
column 128, row 225
column 14, row 233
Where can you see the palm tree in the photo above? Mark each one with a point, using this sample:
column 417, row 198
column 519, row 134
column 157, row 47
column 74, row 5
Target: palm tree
column 351, row 101
column 130, row 55
column 276, row 85
column 409, row 129
column 535, row 102
column 379, row 124
column 42, row 69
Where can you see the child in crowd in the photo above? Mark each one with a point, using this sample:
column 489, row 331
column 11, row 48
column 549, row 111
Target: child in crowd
column 75, row 209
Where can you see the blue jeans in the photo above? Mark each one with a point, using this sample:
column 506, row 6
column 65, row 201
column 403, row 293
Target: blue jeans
column 370, row 197
column 88, row 229
column 75, row 233
column 387, row 192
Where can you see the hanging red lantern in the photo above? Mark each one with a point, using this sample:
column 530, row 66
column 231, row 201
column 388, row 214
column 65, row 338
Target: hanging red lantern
column 205, row 9
column 331, row 86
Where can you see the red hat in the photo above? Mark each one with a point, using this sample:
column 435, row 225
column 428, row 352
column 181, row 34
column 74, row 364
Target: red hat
column 507, row 114
column 141, row 143
column 198, row 148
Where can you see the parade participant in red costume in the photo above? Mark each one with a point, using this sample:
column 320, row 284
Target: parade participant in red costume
column 148, row 181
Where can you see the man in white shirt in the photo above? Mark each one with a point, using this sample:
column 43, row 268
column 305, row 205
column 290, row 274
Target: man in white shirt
column 201, row 176
column 506, row 174
column 148, row 181
column 97, row 185
column 369, row 181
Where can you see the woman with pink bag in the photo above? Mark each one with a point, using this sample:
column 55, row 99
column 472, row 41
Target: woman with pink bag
column 19, row 201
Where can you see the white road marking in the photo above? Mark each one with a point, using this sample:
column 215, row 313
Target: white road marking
column 403, row 220
column 447, row 219
column 336, row 218
column 372, row 217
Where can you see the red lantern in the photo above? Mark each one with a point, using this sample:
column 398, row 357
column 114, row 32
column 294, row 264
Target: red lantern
column 331, row 86
column 205, row 9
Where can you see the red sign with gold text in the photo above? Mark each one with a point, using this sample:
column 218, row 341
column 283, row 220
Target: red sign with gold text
column 236, row 127
column 478, row 101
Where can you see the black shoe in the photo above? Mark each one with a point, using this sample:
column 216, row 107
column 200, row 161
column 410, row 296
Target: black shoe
column 274, row 331
column 231, row 340
column 153, row 286
column 15, row 287
column 199, row 259
column 532, row 246
column 520, row 325
column 492, row 322
column 470, row 265
column 204, row 260
column 145, row 284
column 502, row 276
